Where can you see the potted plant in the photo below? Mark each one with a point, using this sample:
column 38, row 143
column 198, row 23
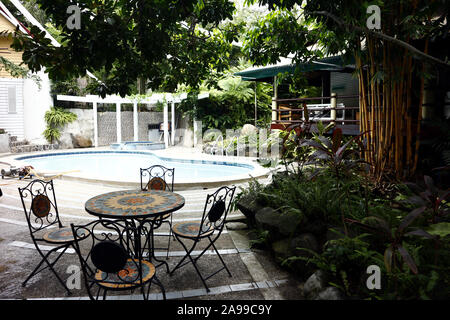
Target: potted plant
column 4, row 141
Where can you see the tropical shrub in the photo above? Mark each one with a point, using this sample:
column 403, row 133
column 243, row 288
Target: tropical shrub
column 401, row 228
column 55, row 119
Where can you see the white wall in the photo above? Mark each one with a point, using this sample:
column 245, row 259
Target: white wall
column 84, row 125
column 13, row 123
column 36, row 103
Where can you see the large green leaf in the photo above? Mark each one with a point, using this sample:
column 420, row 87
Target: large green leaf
column 439, row 229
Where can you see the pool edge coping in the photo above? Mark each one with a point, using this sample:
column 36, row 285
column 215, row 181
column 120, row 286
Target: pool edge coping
column 258, row 171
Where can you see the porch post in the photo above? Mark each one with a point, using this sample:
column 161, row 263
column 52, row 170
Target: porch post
column 256, row 103
column 333, row 107
column 275, row 97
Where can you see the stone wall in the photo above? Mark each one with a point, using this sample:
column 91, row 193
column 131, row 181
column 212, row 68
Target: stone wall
column 107, row 132
column 107, row 126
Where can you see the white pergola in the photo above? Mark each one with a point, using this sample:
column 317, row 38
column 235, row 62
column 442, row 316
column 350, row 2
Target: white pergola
column 165, row 98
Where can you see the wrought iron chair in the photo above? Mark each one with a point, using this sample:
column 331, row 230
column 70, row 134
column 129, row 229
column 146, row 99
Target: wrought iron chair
column 158, row 177
column 42, row 216
column 210, row 227
column 109, row 261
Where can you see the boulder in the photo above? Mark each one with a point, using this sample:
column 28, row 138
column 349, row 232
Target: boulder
column 236, row 226
column 330, row 293
column 315, row 284
column 305, row 240
column 248, row 205
column 80, row 141
column 283, row 224
column 282, row 249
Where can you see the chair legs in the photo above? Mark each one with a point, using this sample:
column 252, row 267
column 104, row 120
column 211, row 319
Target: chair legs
column 194, row 260
column 49, row 265
column 171, row 235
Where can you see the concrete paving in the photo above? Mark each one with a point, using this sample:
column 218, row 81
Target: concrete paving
column 254, row 274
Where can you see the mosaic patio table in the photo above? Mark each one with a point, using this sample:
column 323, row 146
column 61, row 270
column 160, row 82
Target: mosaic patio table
column 137, row 208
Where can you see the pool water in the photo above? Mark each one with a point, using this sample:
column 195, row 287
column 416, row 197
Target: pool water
column 124, row 166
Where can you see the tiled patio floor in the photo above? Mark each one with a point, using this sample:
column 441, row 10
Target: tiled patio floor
column 254, row 275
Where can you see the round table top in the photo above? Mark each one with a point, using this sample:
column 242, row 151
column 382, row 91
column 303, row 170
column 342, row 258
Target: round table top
column 129, row 204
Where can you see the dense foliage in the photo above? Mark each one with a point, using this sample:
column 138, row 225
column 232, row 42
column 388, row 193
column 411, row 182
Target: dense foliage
column 392, row 63
column 165, row 42
column 404, row 229
column 231, row 102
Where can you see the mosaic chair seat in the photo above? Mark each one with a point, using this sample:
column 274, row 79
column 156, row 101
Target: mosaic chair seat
column 41, row 212
column 209, row 228
column 108, row 260
column 158, row 177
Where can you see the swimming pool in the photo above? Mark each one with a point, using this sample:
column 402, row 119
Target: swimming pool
column 123, row 166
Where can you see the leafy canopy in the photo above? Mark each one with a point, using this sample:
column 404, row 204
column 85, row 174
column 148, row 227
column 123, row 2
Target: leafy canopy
column 166, row 42
column 313, row 28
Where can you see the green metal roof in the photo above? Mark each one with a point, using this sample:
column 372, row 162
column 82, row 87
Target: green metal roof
column 327, row 64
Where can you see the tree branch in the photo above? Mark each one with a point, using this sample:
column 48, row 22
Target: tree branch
column 417, row 52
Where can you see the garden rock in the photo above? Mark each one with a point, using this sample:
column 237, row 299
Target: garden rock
column 315, row 284
column 248, row 205
column 330, row 293
column 283, row 224
column 80, row 141
column 282, row 249
column 306, row 240
column 236, row 226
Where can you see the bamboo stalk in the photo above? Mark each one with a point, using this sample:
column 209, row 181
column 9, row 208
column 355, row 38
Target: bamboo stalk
column 419, row 116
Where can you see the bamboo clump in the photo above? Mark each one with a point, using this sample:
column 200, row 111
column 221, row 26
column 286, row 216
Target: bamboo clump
column 388, row 112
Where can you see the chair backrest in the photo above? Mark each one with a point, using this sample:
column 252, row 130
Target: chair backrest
column 157, row 177
column 105, row 249
column 39, row 204
column 216, row 209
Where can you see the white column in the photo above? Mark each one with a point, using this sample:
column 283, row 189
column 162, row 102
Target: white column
column 95, row 125
column 118, row 123
column 173, row 124
column 166, row 125
column 195, row 131
column 333, row 107
column 275, row 96
column 135, row 122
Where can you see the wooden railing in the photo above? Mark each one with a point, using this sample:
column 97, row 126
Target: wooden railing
column 292, row 111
